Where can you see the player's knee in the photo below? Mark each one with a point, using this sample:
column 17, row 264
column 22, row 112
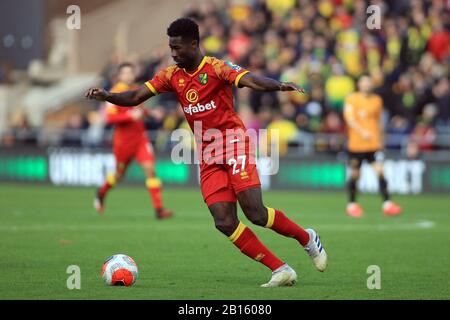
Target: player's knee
column 355, row 174
column 226, row 226
column 148, row 171
column 149, row 174
column 118, row 176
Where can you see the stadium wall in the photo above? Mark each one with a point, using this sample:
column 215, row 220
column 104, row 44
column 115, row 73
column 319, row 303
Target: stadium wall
column 88, row 167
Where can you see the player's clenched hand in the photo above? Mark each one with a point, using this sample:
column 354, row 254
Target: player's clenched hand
column 97, row 94
column 289, row 86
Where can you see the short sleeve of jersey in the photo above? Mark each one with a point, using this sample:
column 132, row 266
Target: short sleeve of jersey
column 161, row 82
column 229, row 72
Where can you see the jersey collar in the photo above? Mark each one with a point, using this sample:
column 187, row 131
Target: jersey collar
column 200, row 66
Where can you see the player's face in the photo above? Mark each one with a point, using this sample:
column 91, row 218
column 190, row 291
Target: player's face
column 127, row 75
column 365, row 84
column 183, row 51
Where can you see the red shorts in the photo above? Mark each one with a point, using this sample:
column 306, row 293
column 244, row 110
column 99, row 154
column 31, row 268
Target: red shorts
column 222, row 182
column 140, row 151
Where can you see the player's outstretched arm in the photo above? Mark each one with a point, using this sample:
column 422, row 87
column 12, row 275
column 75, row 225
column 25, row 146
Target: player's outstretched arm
column 260, row 83
column 127, row 99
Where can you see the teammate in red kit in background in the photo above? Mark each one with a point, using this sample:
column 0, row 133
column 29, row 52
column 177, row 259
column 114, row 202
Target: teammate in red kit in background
column 203, row 86
column 130, row 142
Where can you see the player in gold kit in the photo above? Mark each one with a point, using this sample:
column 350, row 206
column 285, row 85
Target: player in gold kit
column 362, row 113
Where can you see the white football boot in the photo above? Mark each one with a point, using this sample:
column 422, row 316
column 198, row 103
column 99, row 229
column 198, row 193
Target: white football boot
column 316, row 251
column 283, row 276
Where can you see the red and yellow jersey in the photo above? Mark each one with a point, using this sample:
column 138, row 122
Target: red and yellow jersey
column 205, row 95
column 126, row 129
column 366, row 112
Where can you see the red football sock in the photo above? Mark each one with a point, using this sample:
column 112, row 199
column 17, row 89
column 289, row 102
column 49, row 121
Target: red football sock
column 278, row 222
column 104, row 189
column 109, row 183
column 248, row 243
column 154, row 188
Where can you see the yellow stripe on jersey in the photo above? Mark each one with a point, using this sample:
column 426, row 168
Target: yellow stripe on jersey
column 236, row 81
column 200, row 66
column 237, row 233
column 270, row 217
column 152, row 88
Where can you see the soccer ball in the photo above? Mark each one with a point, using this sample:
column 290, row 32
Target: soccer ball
column 119, row 270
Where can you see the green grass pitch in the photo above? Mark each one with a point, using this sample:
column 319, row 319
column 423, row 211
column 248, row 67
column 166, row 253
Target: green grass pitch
column 45, row 229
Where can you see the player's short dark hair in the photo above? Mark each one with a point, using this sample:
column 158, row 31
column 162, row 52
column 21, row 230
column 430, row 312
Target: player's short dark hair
column 184, row 27
column 125, row 65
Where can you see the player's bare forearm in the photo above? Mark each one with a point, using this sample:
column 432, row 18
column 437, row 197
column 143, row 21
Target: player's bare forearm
column 126, row 99
column 260, row 83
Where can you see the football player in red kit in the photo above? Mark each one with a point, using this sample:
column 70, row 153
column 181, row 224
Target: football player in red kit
column 203, row 86
column 130, row 142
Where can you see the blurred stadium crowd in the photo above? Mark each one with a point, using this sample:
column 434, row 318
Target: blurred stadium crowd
column 324, row 46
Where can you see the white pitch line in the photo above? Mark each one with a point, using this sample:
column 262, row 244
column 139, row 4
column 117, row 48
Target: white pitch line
column 422, row 224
